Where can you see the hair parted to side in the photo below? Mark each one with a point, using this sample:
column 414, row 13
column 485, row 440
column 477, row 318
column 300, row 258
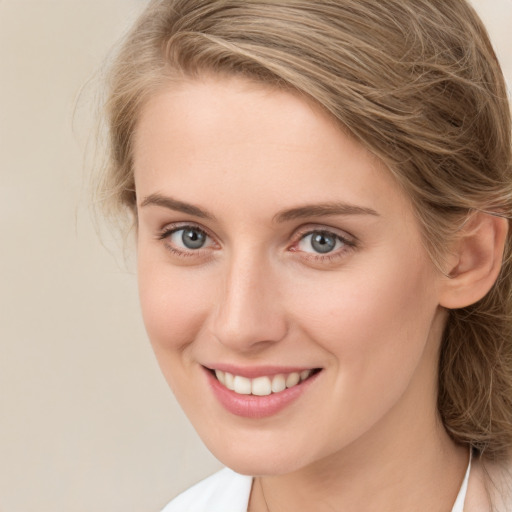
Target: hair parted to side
column 418, row 84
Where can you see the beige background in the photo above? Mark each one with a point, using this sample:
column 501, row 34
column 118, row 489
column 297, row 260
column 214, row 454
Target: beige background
column 86, row 420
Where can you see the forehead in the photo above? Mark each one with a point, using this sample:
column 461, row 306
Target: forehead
column 234, row 136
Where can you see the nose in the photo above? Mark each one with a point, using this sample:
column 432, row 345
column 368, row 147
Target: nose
column 249, row 315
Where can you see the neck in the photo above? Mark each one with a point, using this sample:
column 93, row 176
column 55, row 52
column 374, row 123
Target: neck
column 427, row 479
column 419, row 469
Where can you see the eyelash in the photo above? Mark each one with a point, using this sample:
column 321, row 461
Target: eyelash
column 166, row 233
column 348, row 243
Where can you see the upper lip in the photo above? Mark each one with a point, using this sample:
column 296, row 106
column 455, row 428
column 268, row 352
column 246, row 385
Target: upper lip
column 252, row 372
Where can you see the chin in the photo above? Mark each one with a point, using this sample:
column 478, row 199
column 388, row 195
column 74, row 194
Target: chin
column 255, row 466
column 257, row 459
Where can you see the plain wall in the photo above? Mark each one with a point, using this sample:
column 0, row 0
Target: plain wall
column 86, row 420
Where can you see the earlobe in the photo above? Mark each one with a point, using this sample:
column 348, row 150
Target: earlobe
column 476, row 263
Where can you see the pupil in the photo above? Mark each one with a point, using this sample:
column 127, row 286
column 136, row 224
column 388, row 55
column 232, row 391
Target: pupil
column 193, row 239
column 323, row 242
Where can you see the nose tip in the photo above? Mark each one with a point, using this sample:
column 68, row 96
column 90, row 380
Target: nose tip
column 249, row 316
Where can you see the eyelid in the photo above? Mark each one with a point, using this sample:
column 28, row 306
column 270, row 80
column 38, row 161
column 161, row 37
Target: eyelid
column 308, row 229
column 172, row 227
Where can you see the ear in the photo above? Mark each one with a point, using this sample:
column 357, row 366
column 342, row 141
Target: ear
column 475, row 261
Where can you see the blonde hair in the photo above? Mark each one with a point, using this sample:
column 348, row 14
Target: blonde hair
column 418, row 84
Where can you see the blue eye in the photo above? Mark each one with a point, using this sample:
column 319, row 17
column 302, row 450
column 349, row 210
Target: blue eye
column 188, row 237
column 321, row 242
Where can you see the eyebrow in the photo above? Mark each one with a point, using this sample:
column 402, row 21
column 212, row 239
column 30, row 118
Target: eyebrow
column 300, row 212
column 323, row 210
column 178, row 206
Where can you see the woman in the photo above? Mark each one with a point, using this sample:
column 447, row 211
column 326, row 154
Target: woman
column 322, row 196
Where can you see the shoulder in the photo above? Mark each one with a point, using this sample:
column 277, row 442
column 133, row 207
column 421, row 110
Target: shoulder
column 501, row 486
column 490, row 487
column 224, row 490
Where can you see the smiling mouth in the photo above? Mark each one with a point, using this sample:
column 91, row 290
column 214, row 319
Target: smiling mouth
column 263, row 386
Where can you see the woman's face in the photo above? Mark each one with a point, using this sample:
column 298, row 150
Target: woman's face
column 275, row 250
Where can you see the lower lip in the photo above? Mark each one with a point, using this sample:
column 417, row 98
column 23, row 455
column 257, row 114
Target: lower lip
column 251, row 406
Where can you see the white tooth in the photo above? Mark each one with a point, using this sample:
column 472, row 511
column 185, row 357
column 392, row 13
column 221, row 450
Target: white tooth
column 261, row 386
column 278, row 383
column 305, row 374
column 229, row 381
column 242, row 386
column 292, row 379
column 220, row 376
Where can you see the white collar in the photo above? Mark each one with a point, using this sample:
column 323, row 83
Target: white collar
column 461, row 497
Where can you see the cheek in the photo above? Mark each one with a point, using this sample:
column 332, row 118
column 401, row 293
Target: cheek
column 174, row 304
column 372, row 323
column 375, row 329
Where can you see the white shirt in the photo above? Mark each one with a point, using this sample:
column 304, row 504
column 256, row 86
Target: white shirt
column 227, row 491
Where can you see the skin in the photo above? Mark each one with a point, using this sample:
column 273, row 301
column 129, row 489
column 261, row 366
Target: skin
column 365, row 435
